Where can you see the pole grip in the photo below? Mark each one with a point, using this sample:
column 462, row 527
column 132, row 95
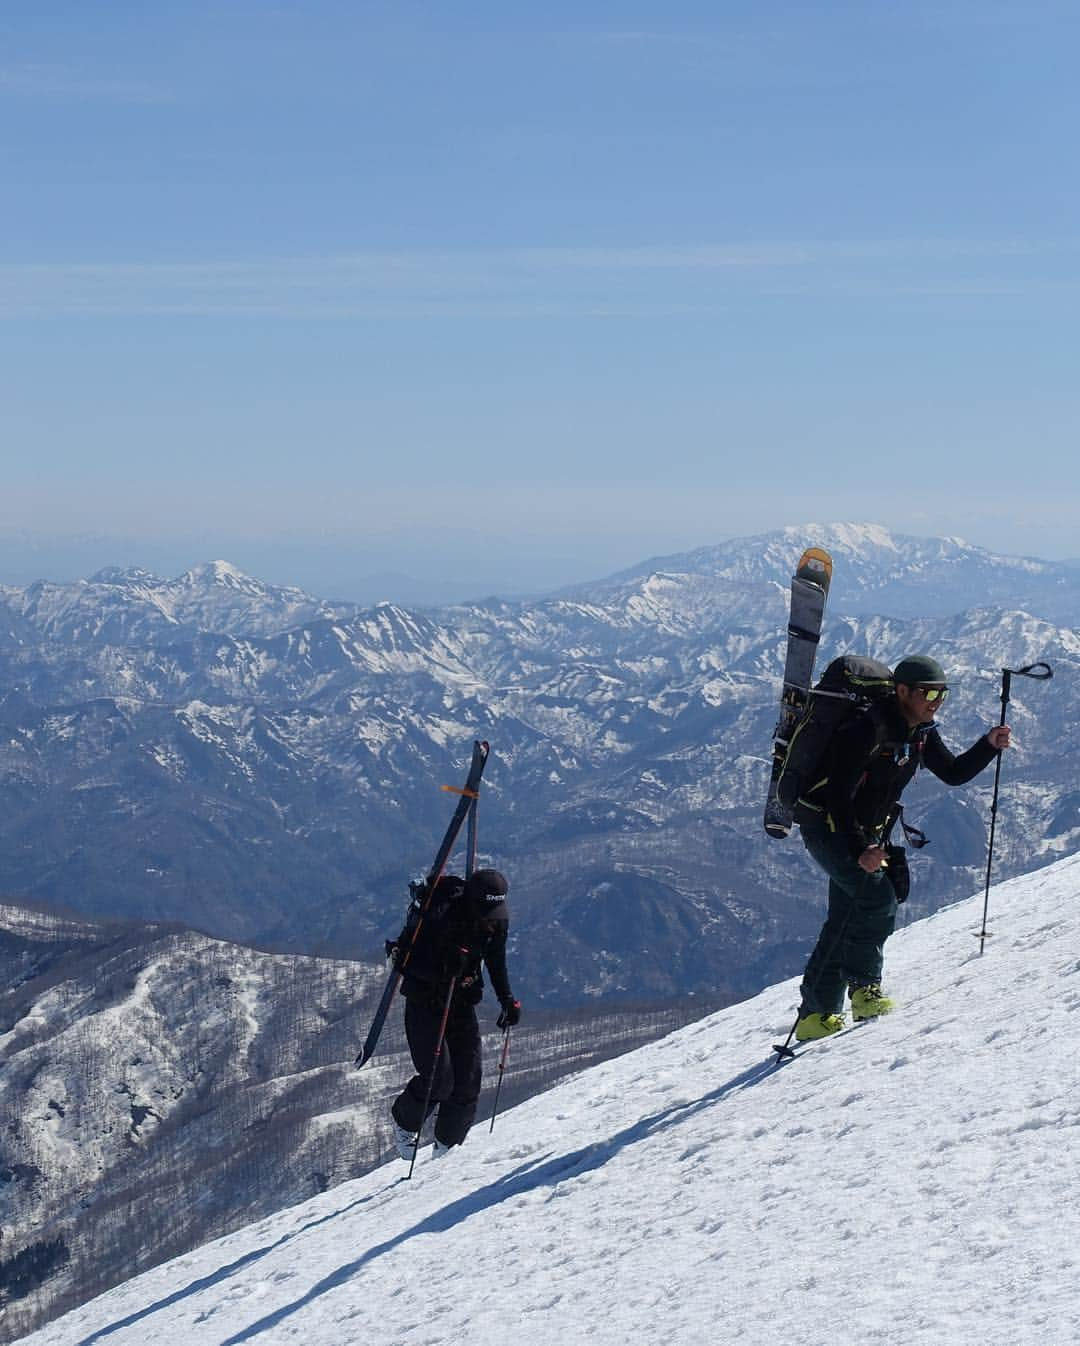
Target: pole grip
column 1006, row 685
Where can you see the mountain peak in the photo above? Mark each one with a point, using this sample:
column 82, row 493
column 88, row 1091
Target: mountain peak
column 224, row 574
column 897, row 574
column 846, row 536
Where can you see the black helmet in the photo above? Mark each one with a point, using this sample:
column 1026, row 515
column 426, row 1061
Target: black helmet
column 488, row 888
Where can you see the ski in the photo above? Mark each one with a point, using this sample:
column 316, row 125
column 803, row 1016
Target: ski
column 466, row 808
column 809, row 590
column 471, row 838
column 786, row 1052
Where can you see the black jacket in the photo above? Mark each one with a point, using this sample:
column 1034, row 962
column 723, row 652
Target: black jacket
column 453, row 939
column 867, row 766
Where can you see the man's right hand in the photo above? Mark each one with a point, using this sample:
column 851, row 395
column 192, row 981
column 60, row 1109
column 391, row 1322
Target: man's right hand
column 872, row 859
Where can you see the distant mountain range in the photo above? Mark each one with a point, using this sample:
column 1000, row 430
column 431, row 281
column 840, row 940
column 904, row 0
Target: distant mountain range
column 265, row 766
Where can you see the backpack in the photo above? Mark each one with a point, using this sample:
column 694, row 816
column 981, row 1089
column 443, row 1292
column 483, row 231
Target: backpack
column 431, row 921
column 848, row 687
column 442, row 941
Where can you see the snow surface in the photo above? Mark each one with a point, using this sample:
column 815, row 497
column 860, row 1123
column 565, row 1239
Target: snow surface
column 913, row 1182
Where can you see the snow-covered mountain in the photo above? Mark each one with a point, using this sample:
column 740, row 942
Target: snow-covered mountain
column 158, row 1080
column 895, row 573
column 132, row 606
column 912, row 1181
column 281, row 787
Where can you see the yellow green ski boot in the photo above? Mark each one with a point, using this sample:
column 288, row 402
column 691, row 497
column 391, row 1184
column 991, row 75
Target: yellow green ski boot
column 867, row 1002
column 813, row 1026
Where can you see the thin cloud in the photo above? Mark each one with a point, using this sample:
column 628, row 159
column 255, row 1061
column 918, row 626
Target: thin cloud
column 528, row 282
column 57, row 82
column 635, row 37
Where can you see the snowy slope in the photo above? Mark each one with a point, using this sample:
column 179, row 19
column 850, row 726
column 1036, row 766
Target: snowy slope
column 915, row 1181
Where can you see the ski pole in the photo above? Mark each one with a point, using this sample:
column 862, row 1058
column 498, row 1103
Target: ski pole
column 1007, row 675
column 434, row 1069
column 502, row 1068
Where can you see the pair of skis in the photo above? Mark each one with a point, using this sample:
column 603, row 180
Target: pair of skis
column 465, row 812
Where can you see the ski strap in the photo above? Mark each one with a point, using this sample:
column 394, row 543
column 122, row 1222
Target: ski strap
column 914, row 836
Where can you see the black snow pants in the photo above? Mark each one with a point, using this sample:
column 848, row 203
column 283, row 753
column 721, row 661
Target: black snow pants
column 457, row 1078
column 850, row 950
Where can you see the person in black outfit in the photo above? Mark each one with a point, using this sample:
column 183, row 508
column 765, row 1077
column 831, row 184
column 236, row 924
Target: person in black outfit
column 466, row 924
column 844, row 820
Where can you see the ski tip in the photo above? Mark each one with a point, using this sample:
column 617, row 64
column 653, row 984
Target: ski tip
column 777, row 818
column 815, row 564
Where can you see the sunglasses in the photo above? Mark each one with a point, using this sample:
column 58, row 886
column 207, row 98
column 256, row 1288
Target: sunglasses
column 935, row 695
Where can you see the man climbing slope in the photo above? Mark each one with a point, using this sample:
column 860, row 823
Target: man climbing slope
column 845, row 818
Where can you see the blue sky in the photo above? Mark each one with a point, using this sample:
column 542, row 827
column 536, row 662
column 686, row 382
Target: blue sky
column 508, row 295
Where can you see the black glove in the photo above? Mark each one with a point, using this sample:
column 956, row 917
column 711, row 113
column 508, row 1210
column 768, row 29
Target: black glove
column 511, row 1014
column 897, row 869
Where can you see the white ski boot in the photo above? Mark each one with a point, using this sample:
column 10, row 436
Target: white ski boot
column 405, row 1141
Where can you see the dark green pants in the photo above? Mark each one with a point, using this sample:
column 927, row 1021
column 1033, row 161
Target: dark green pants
column 862, row 914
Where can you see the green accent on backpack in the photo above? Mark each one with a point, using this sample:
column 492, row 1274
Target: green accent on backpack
column 848, row 687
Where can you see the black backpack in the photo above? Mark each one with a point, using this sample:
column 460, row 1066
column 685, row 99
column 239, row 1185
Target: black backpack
column 849, row 686
column 432, row 923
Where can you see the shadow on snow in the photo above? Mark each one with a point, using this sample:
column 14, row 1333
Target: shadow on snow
column 527, row 1178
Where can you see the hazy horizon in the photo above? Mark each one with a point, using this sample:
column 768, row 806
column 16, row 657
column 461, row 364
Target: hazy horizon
column 335, row 572
column 515, row 297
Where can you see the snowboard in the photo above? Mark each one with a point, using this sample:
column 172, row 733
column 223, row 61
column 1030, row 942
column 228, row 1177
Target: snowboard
column 809, row 590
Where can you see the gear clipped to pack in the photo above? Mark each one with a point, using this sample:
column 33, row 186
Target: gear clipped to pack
column 850, row 685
